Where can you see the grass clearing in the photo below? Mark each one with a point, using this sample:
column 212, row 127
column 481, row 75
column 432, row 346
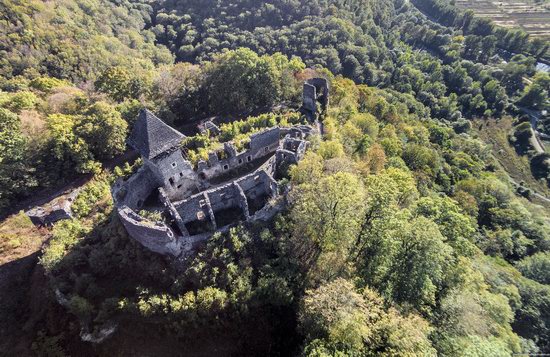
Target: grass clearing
column 494, row 132
column 19, row 238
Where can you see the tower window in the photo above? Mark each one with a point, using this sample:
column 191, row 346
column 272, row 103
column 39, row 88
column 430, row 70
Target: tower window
column 225, row 167
column 171, row 180
column 174, row 165
column 240, row 161
column 249, row 158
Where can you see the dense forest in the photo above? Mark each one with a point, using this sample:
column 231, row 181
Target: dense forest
column 403, row 234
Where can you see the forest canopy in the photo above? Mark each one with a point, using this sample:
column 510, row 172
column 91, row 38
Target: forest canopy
column 403, row 234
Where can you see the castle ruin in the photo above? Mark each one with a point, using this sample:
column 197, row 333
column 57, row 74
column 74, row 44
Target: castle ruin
column 196, row 201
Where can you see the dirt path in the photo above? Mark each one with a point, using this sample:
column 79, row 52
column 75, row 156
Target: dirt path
column 47, row 195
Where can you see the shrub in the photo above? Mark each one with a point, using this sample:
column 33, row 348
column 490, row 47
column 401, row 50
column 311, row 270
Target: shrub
column 65, row 235
column 46, row 84
column 89, row 197
column 24, row 100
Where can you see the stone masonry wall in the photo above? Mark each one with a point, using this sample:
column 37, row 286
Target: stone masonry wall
column 261, row 144
column 157, row 237
column 224, row 199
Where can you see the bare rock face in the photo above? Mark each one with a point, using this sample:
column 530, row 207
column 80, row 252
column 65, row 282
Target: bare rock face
column 100, row 335
column 56, row 210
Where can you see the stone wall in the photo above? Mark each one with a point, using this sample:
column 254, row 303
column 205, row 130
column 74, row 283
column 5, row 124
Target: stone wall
column 174, row 174
column 196, row 217
column 309, row 97
column 261, row 145
column 315, row 90
column 135, row 190
column 156, row 236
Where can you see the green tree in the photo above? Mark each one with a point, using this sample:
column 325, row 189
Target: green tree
column 536, row 94
column 326, row 216
column 536, row 267
column 67, row 147
column 457, row 228
column 240, row 81
column 120, row 84
column 418, row 263
column 15, row 173
column 103, row 130
column 338, row 320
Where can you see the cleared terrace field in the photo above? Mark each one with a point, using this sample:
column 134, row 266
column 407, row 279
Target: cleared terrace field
column 532, row 17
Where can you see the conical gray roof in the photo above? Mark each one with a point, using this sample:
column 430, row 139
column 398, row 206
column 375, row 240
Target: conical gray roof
column 151, row 136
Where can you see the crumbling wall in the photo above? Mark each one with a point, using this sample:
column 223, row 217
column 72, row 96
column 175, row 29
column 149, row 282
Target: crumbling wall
column 173, row 212
column 309, row 97
column 267, row 140
column 173, row 173
column 315, row 90
column 56, row 210
column 198, row 215
column 135, row 190
column 193, row 208
column 261, row 144
column 256, row 185
column 157, row 237
column 224, row 197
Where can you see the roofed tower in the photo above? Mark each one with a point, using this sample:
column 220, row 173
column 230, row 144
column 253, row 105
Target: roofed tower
column 158, row 145
column 151, row 136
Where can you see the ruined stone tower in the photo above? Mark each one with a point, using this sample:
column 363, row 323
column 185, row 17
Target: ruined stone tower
column 159, row 146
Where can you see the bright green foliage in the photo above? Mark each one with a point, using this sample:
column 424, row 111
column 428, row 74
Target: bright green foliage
column 398, row 197
column 120, row 84
column 81, row 139
column 15, row 177
column 240, row 80
column 229, row 131
column 536, row 267
column 419, row 262
column 457, row 228
column 91, row 196
column 331, row 149
column 536, row 94
column 75, row 40
column 11, row 141
column 328, row 212
column 19, row 101
column 47, row 84
column 337, row 320
column 65, row 235
column 104, row 131
column 67, row 146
